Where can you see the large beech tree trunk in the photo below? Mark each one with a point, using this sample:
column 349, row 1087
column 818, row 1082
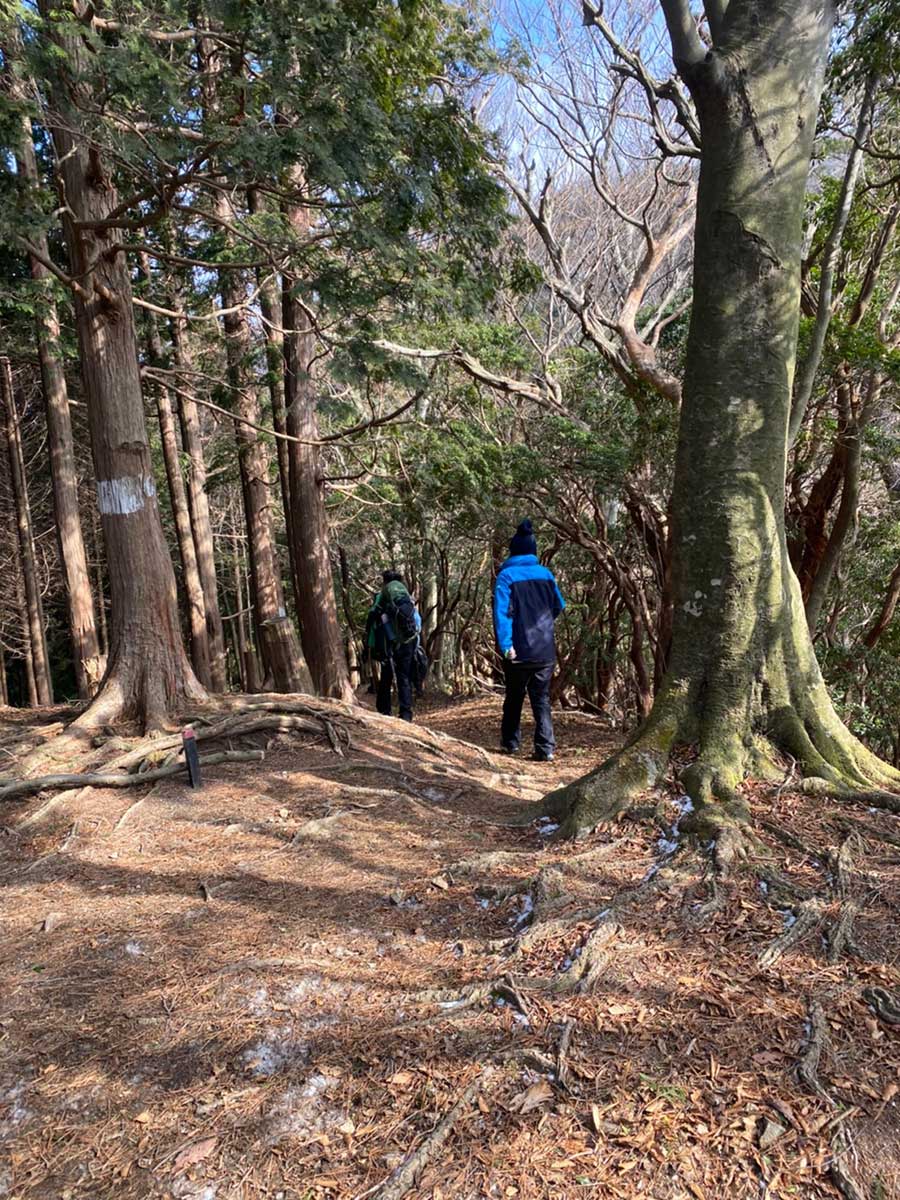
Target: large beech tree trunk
column 742, row 674
column 148, row 675
column 88, row 662
column 320, row 629
column 41, row 690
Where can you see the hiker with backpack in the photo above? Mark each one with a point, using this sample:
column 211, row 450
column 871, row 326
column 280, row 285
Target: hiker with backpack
column 527, row 602
column 392, row 639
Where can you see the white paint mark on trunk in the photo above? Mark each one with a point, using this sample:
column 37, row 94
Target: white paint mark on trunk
column 119, row 497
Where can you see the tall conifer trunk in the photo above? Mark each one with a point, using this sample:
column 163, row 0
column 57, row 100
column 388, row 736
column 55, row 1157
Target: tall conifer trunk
column 198, row 504
column 41, row 691
column 742, row 675
column 148, row 674
column 88, row 662
column 316, row 605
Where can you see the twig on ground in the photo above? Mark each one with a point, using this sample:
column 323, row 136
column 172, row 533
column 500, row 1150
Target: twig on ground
column 407, row 1175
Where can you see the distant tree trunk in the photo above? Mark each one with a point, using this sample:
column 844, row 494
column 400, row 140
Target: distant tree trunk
column 853, row 424
column 316, row 605
column 201, row 655
column 148, row 674
column 88, row 662
column 198, row 503
column 248, row 663
column 742, row 674
column 27, row 656
column 350, row 642
column 34, row 609
column 886, row 613
column 270, row 309
column 4, row 692
column 280, row 654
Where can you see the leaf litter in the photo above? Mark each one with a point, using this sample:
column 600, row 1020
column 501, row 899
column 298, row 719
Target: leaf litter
column 301, row 1034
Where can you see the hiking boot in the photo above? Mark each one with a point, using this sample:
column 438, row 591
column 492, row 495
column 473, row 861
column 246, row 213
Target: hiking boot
column 509, row 750
column 540, row 756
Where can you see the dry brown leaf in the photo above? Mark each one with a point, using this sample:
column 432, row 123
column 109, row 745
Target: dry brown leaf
column 440, row 882
column 596, row 1118
column 533, row 1097
column 483, row 1105
column 143, row 1118
column 890, row 1091
column 401, row 1078
column 194, row 1153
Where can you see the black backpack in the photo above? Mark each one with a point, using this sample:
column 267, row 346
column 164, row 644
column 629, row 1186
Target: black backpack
column 402, row 614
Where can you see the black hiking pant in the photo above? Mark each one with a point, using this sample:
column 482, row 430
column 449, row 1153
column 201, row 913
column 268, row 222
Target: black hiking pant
column 398, row 666
column 533, row 678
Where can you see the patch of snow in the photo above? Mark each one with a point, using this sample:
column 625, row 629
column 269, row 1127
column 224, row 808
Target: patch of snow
column 263, row 1060
column 17, row 1111
column 484, row 903
column 259, row 1003
column 790, row 918
column 764, row 887
column 190, row 1189
column 135, row 949
column 526, row 911
column 304, row 1109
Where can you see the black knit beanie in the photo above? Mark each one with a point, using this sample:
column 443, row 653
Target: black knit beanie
column 523, row 541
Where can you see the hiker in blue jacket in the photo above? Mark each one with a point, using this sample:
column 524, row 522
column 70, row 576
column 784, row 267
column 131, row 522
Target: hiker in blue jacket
column 526, row 604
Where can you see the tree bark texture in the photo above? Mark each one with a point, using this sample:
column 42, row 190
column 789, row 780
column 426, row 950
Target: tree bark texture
column 742, row 673
column 34, row 608
column 201, row 656
column 198, row 504
column 88, row 662
column 148, row 675
column 316, row 605
column 280, row 654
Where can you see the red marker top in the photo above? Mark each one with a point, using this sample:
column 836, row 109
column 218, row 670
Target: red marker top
column 188, row 732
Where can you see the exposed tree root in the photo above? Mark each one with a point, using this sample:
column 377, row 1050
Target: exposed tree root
column 808, row 1067
column 808, row 916
column 840, row 933
column 593, row 960
column 408, row 1174
column 869, row 831
column 789, row 839
column 886, row 1006
column 24, row 788
column 839, row 1176
column 783, row 892
column 563, row 1074
column 543, row 929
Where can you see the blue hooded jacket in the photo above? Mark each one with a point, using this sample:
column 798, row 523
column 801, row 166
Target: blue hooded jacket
column 526, row 603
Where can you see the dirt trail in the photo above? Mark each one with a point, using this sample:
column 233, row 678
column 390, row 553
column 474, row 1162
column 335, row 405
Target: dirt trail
column 281, row 985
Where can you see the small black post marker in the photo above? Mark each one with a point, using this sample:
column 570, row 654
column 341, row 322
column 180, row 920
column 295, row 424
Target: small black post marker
column 191, row 755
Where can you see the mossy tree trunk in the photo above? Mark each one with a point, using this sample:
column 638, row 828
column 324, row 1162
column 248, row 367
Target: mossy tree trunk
column 743, row 677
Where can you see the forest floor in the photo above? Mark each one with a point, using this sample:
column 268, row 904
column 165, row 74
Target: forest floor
column 337, row 976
